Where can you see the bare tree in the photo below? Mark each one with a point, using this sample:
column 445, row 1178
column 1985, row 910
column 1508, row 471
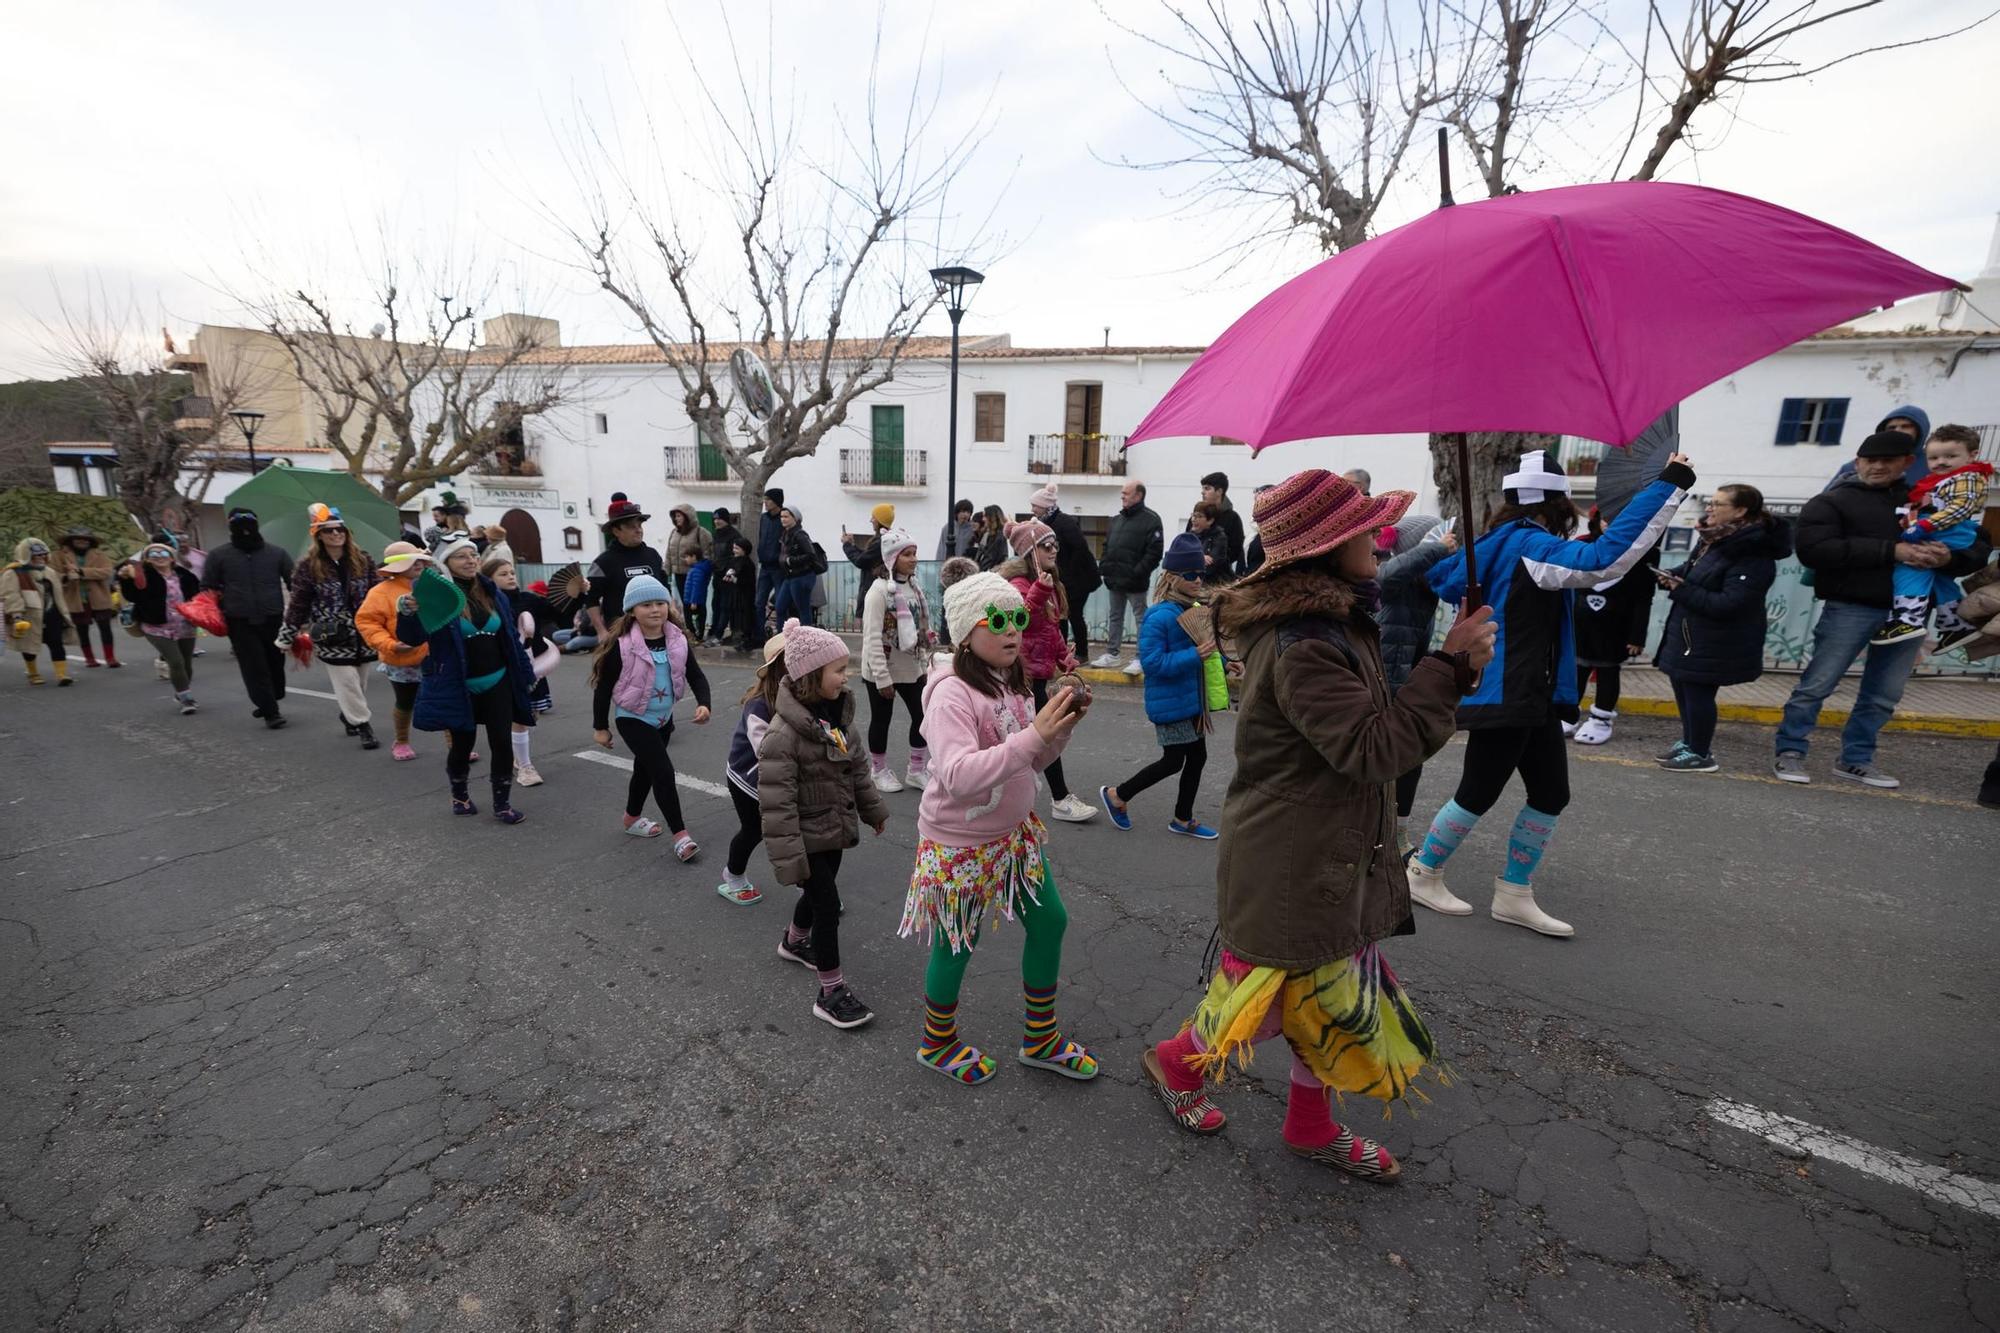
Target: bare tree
column 826, row 274
column 418, row 398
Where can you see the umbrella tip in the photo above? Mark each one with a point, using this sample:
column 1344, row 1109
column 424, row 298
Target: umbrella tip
column 1444, row 169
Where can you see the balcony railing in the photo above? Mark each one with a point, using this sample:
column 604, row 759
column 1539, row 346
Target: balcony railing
column 194, row 414
column 885, row 469
column 1579, row 458
column 1076, row 455
column 699, row 465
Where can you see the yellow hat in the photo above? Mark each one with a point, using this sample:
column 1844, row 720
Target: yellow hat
column 884, row 515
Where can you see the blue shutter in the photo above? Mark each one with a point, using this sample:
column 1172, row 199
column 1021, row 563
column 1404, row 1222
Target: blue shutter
column 1832, row 421
column 1789, row 416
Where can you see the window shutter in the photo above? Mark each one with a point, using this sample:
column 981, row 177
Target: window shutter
column 1789, row 417
column 1833, row 420
column 989, row 418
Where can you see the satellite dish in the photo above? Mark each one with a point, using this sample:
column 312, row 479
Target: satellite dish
column 378, row 329
column 753, row 383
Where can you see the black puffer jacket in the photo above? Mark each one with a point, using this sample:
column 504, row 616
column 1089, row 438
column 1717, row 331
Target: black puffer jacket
column 1132, row 550
column 1847, row 536
column 149, row 603
column 1715, row 626
column 1409, row 607
column 1609, row 620
column 1075, row 565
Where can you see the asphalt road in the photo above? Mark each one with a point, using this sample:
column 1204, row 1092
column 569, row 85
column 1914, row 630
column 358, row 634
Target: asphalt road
column 288, row 1047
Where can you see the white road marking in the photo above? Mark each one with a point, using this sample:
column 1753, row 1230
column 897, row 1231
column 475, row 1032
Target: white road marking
column 680, row 779
column 317, row 694
column 1981, row 1196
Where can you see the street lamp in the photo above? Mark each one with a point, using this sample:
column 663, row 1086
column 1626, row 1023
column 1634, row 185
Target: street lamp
column 248, row 422
column 952, row 286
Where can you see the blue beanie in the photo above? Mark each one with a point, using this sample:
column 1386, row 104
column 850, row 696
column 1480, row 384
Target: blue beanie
column 1185, row 557
column 645, row 588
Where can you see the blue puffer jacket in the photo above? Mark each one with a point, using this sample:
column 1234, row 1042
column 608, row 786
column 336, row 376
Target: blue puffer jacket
column 443, row 704
column 1528, row 573
column 1173, row 668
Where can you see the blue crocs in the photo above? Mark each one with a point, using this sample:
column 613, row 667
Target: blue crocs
column 1192, row 829
column 1120, row 819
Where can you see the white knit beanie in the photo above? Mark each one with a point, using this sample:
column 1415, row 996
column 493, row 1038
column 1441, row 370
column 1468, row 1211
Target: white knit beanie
column 965, row 602
column 895, row 541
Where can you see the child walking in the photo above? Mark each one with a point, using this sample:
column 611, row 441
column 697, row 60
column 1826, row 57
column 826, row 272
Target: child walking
column 1945, row 506
column 154, row 584
column 896, row 639
column 643, row 667
column 759, row 706
column 1033, row 573
column 1176, row 692
column 376, row 623
column 529, row 612
column 980, row 845
column 813, row 791
column 34, row 609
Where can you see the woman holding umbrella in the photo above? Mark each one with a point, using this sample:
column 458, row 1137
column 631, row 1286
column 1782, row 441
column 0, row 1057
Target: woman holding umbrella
column 1529, row 568
column 329, row 584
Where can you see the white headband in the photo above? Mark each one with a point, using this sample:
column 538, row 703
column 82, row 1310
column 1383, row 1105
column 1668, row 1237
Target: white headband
column 1532, row 484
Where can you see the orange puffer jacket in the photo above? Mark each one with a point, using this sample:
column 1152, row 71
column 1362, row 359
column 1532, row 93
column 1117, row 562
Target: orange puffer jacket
column 376, row 620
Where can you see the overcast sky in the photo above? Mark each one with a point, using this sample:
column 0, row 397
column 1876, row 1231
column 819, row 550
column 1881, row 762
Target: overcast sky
column 151, row 147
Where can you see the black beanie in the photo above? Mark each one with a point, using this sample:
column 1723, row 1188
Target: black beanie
column 776, row 496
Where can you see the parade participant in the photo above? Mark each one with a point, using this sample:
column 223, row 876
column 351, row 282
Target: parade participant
column 475, row 675
column 1308, row 881
column 1612, row 620
column 814, row 793
column 760, row 703
column 1409, row 610
column 896, row 640
column 154, row 584
column 1176, row 692
column 625, row 556
column 33, row 604
column 86, row 575
column 1945, row 506
column 376, row 623
column 644, row 666
column 447, row 516
column 1714, row 635
column 532, row 616
column 1033, row 572
column 1529, row 567
column 980, row 846
column 250, row 576
column 329, row 584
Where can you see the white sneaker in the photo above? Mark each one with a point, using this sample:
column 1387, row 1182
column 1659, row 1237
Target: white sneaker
column 916, row 779
column 1104, row 661
column 885, row 781
column 1515, row 904
column 1596, row 728
column 1072, row 811
column 525, row 775
column 1427, row 887
column 1132, row 668
column 160, row 669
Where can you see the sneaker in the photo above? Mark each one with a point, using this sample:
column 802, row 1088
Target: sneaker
column 885, row 781
column 1950, row 639
column 800, row 953
column 1105, row 661
column 507, row 814
column 1670, row 752
column 1867, row 774
column 842, row 1008
column 274, row 721
column 1194, row 828
column 1791, row 767
column 917, row 779
column 188, row 705
column 1120, row 819
column 1890, row 634
column 1132, row 668
column 526, row 775
column 1687, row 761
column 1072, row 811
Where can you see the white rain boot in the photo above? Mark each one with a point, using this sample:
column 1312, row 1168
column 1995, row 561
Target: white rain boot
column 1596, row 728
column 1515, row 904
column 1427, row 887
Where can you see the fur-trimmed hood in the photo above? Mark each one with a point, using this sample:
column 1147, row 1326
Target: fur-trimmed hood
column 1283, row 595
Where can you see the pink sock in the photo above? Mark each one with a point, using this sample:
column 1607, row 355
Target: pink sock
column 1308, row 1122
column 878, row 763
column 1174, row 1053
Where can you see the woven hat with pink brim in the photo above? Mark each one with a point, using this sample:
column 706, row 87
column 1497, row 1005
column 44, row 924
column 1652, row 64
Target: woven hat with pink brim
column 1312, row 512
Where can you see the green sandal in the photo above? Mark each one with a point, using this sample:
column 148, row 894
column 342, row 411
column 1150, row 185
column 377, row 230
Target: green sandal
column 1071, row 1060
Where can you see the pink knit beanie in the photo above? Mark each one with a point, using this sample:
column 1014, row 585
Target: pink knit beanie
column 1024, row 537
column 1044, row 499
column 808, row 648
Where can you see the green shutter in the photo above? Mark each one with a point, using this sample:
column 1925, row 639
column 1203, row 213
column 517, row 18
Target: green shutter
column 886, row 426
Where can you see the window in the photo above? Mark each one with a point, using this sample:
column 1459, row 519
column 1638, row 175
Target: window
column 603, row 424
column 989, row 418
column 1811, row 420
column 886, row 437
column 1224, row 442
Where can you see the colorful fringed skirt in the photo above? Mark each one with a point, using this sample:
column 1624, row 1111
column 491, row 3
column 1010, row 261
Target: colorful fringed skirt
column 952, row 888
column 1349, row 1021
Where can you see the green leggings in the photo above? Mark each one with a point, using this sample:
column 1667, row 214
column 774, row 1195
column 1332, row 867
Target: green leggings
column 1041, row 955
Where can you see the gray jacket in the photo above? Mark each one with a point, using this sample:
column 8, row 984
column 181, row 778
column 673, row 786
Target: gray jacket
column 252, row 583
column 1408, row 605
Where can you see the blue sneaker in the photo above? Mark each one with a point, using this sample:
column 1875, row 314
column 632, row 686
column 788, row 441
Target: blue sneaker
column 1120, row 819
column 1192, row 829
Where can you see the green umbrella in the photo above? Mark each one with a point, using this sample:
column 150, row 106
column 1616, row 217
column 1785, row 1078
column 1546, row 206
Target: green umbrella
column 280, row 496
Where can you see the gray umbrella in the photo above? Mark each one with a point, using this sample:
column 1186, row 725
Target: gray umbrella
column 1621, row 472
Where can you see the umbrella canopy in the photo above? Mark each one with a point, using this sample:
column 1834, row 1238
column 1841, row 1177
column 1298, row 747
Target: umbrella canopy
column 280, row 496
column 1583, row 311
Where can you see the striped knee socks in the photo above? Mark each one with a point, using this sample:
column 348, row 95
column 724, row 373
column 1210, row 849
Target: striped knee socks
column 943, row 1051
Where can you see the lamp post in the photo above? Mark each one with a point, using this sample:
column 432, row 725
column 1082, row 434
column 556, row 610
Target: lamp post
column 952, row 285
column 248, row 422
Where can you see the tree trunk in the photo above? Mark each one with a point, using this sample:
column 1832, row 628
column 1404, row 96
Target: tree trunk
column 1492, row 455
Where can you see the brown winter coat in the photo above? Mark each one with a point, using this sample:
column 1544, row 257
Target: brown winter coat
column 86, row 582
column 28, row 594
column 814, row 798
column 1308, row 869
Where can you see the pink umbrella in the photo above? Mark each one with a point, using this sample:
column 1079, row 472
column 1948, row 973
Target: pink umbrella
column 1584, row 311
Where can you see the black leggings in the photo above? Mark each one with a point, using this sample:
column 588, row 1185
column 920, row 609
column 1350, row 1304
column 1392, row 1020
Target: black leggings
column 819, row 908
column 259, row 661
column 652, row 770
column 102, row 619
column 406, row 694
column 1494, row 755
column 1057, row 787
column 1406, row 791
column 1696, row 701
column 1607, row 689
column 493, row 710
column 882, row 708
column 749, row 829
column 1187, row 759
column 1079, row 632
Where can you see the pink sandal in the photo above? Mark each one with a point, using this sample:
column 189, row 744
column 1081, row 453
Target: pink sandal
column 685, row 847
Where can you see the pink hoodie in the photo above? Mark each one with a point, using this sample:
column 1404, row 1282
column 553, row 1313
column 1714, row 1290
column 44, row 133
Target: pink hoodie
column 985, row 753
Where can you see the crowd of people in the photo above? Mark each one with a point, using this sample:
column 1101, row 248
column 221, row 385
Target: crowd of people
column 1318, row 634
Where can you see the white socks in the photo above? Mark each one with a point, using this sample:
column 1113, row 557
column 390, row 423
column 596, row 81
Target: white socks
column 521, row 739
